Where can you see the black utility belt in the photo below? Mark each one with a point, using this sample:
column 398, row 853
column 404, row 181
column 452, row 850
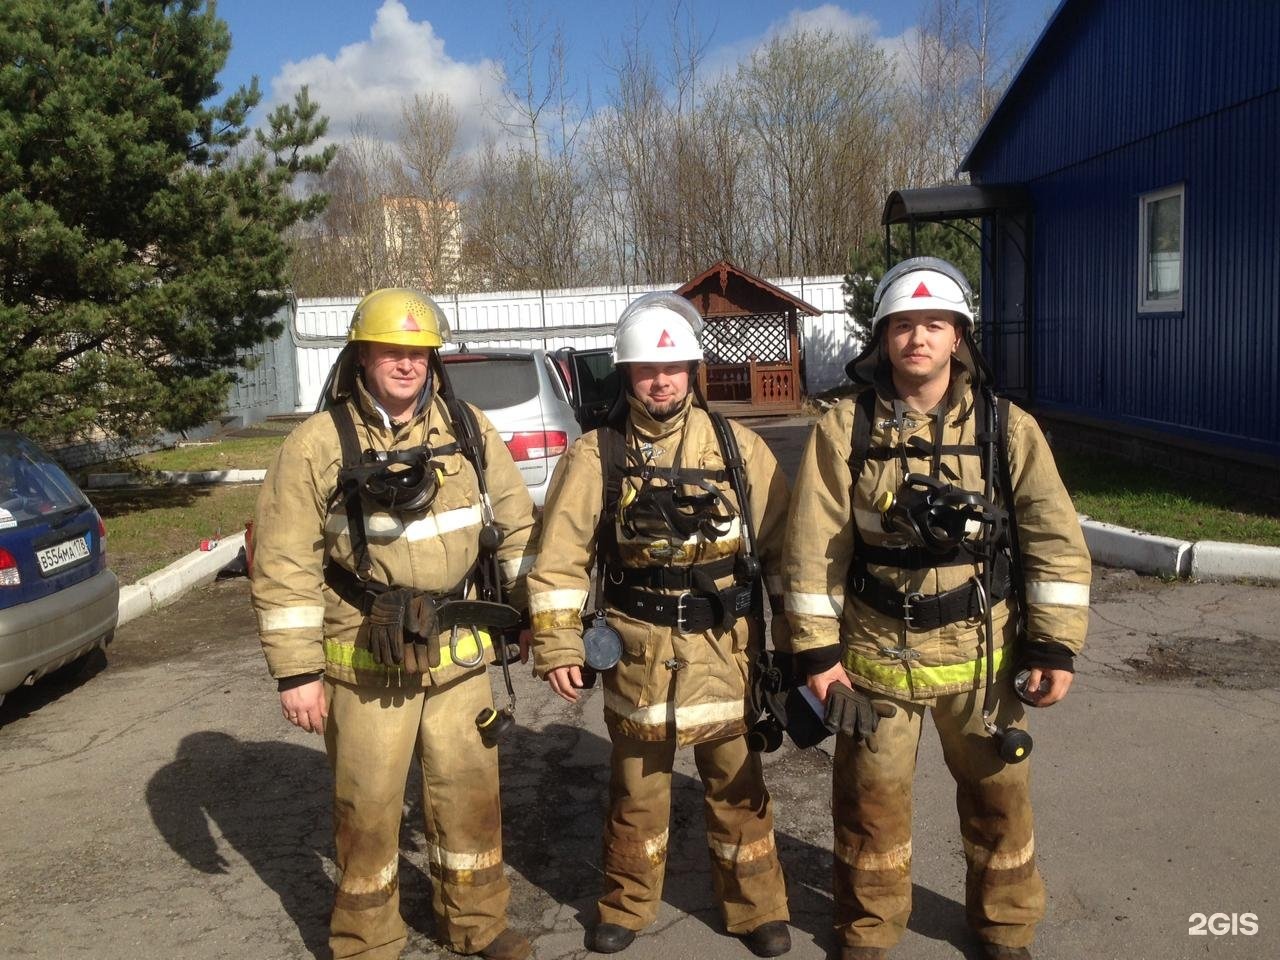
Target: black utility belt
column 686, row 612
column 361, row 593
column 920, row 611
column 670, row 578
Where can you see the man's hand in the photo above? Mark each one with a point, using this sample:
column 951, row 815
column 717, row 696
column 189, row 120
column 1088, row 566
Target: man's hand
column 1056, row 687
column 566, row 681
column 820, row 682
column 305, row 706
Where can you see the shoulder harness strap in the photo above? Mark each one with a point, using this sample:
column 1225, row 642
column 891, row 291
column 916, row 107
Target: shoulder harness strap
column 348, row 490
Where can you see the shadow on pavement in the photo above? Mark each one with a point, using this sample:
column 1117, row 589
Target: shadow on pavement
column 272, row 803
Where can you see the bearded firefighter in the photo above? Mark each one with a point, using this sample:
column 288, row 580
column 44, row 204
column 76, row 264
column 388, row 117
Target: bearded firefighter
column 647, row 503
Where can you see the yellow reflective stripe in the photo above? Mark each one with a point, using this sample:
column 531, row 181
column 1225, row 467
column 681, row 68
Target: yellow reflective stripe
column 541, row 601
column 1007, row 860
column 384, row 879
column 685, row 718
column 349, row 655
column 892, row 859
column 300, row 617
column 895, row 677
column 742, row 852
column 383, row 526
column 1058, row 592
column 815, row 604
column 463, row 861
column 517, row 567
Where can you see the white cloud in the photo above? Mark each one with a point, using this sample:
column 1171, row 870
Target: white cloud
column 827, row 18
column 369, row 80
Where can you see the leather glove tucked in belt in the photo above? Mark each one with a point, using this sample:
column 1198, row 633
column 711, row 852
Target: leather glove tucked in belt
column 852, row 712
column 404, row 630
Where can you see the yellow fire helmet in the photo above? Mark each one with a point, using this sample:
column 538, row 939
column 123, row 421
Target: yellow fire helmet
column 404, row 317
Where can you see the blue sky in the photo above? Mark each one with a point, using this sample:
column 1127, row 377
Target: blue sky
column 360, row 57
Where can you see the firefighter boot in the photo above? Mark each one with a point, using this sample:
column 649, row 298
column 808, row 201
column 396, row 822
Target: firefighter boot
column 771, row 939
column 508, row 945
column 610, row 938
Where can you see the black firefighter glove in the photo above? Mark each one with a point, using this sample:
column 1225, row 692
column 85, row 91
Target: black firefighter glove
column 852, row 712
column 404, row 630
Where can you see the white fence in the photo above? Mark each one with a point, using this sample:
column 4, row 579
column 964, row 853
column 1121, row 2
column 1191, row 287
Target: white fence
column 580, row 318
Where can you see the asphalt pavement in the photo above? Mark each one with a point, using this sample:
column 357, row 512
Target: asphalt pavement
column 158, row 805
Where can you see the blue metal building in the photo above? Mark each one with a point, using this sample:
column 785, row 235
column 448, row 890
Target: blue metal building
column 1135, row 285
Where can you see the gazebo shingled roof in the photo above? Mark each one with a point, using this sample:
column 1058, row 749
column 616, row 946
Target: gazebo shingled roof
column 725, row 290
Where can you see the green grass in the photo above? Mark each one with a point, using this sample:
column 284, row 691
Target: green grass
column 234, row 453
column 149, row 529
column 1147, row 499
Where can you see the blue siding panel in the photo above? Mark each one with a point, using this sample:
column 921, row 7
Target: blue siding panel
column 1111, row 72
column 1212, row 370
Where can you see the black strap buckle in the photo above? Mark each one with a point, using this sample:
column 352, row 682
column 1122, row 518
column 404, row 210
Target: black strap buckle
column 907, row 601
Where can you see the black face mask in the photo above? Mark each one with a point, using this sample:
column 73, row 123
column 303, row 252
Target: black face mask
column 935, row 515
column 401, row 483
column 662, row 513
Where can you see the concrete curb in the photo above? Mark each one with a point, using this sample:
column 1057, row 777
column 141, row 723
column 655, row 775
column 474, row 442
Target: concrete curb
column 167, row 585
column 1115, row 546
column 104, row 481
column 1213, row 559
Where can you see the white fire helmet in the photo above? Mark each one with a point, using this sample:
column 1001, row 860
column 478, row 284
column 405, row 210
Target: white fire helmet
column 660, row 327
column 923, row 283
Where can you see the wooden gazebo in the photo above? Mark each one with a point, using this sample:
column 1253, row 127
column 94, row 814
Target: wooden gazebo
column 751, row 341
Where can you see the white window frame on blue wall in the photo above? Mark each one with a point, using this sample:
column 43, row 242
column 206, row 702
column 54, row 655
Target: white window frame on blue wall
column 1161, row 277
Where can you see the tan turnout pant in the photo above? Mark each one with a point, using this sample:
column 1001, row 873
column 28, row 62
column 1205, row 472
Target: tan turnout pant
column 871, row 807
column 744, row 860
column 371, row 736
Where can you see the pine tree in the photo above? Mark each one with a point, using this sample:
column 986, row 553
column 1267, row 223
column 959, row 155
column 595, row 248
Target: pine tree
column 141, row 237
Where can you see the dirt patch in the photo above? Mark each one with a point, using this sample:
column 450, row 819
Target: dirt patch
column 1243, row 662
column 201, row 622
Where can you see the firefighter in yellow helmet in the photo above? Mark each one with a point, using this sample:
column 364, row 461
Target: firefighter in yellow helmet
column 931, row 553
column 646, row 502
column 389, row 526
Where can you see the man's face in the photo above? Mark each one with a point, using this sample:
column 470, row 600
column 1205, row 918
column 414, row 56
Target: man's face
column 661, row 387
column 919, row 344
column 393, row 374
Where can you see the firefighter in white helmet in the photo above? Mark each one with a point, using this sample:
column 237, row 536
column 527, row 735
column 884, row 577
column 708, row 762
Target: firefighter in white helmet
column 647, row 502
column 949, row 556
column 381, row 523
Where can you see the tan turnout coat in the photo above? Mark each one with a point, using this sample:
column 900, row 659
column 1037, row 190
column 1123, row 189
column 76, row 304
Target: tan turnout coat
column 688, row 686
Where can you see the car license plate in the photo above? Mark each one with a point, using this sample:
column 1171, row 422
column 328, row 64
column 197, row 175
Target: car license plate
column 63, row 554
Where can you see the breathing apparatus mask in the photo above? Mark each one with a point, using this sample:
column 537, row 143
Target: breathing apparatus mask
column 938, row 516
column 398, row 482
column 662, row 512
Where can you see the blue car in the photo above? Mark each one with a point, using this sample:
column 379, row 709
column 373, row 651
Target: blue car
column 58, row 599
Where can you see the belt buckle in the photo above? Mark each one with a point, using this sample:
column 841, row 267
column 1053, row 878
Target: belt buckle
column 680, row 605
column 907, row 601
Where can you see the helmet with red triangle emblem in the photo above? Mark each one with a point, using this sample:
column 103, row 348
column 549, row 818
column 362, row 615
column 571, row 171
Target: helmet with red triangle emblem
column 395, row 315
column 660, row 327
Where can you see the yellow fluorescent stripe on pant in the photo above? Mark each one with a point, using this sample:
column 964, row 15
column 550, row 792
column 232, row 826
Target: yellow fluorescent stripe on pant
column 815, row 604
column 382, row 880
column 742, row 852
column 291, row 618
column 895, row 676
column 685, row 718
column 1009, row 860
column 890, row 859
column 545, row 600
column 517, row 567
column 348, row 655
column 450, row 860
column 1058, row 592
column 384, row 527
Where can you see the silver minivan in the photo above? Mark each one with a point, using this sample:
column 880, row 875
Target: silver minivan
column 523, row 393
